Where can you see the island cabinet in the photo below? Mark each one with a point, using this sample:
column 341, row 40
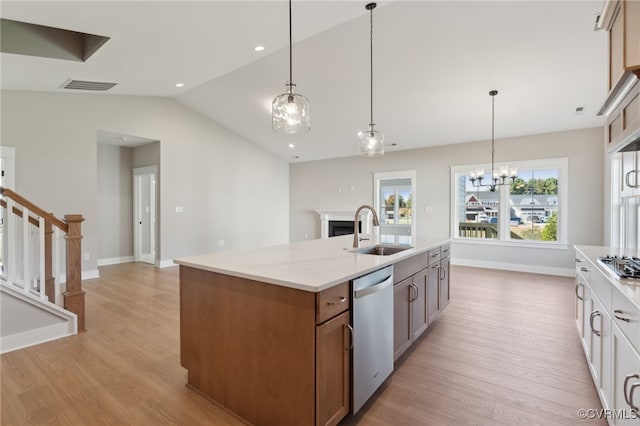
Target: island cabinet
column 269, row 354
column 421, row 291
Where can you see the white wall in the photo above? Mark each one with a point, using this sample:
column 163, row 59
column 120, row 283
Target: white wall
column 221, row 180
column 115, row 202
column 327, row 185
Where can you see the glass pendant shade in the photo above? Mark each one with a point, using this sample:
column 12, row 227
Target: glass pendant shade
column 290, row 113
column 371, row 143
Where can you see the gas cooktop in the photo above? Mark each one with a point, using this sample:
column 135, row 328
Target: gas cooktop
column 623, row 266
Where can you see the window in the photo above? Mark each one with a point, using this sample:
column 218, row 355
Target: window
column 394, row 199
column 531, row 210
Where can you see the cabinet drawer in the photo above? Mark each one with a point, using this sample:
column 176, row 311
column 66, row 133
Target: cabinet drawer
column 627, row 318
column 601, row 288
column 434, row 256
column 583, row 267
column 331, row 302
column 410, row 266
column 445, row 250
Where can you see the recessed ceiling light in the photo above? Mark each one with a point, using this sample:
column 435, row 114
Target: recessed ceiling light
column 291, row 145
column 179, row 84
column 258, row 48
column 394, row 144
column 296, row 157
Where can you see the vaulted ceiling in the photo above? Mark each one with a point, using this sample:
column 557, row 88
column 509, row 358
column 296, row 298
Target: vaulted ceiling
column 434, row 64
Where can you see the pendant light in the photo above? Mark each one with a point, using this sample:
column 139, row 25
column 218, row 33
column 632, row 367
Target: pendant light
column 290, row 111
column 371, row 141
column 498, row 177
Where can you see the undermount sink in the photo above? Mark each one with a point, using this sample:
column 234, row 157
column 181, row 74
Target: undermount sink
column 381, row 250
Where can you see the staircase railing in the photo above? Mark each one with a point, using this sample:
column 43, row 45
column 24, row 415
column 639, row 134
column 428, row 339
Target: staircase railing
column 32, row 257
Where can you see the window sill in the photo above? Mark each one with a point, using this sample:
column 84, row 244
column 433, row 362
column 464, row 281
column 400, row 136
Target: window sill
column 527, row 244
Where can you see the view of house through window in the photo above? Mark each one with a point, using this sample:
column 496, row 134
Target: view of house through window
column 524, row 210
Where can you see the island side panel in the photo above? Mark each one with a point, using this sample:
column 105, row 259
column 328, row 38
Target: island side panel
column 249, row 346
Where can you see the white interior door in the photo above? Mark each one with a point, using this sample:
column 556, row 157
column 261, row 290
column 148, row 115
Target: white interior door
column 144, row 214
column 7, row 163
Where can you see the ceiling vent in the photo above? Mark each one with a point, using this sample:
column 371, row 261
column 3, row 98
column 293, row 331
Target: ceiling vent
column 87, row 85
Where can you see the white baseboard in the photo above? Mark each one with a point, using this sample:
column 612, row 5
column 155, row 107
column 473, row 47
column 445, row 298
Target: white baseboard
column 34, row 337
column 534, row 269
column 39, row 335
column 86, row 275
column 89, row 275
column 115, row 260
column 166, row 263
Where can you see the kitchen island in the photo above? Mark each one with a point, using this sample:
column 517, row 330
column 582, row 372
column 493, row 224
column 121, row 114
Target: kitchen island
column 266, row 333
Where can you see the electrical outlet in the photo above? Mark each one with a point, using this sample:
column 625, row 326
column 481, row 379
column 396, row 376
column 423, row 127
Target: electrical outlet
column 428, row 209
column 220, row 243
column 86, row 256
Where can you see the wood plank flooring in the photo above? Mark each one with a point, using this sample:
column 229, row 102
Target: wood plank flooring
column 505, row 352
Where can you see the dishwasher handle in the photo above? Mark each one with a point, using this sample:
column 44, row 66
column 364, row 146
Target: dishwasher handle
column 374, row 288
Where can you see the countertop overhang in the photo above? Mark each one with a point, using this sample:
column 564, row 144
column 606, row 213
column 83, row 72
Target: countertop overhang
column 313, row 265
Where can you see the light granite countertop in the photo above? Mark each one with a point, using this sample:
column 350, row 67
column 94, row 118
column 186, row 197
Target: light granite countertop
column 629, row 287
column 313, row 265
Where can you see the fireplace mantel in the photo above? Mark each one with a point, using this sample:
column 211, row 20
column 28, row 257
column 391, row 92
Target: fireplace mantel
column 329, row 215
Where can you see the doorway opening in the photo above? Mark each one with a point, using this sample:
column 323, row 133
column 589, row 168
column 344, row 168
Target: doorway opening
column 144, row 214
column 395, row 198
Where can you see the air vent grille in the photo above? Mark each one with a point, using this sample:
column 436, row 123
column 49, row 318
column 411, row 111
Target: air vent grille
column 87, row 85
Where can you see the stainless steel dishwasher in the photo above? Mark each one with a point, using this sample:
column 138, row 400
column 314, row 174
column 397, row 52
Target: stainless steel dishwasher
column 372, row 333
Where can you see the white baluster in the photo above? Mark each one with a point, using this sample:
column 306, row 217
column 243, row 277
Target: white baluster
column 56, row 265
column 11, row 242
column 43, row 294
column 26, row 285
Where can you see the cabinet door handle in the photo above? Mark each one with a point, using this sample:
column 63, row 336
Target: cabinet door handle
column 619, row 311
column 412, row 296
column 435, row 255
column 445, row 250
column 350, row 336
column 584, row 269
column 627, row 179
column 593, row 315
column 578, row 260
column 337, row 300
column 578, row 295
column 624, row 386
column 631, row 390
column 444, row 274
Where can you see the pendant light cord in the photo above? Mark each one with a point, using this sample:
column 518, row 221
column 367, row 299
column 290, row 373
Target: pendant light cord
column 493, row 150
column 371, row 51
column 290, row 52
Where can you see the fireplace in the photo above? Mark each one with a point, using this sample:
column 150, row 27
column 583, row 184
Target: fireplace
column 342, row 227
column 343, row 220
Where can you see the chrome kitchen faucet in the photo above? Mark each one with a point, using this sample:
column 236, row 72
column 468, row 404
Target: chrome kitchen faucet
column 376, row 222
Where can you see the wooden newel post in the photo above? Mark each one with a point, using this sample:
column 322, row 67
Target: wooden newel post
column 49, row 280
column 74, row 296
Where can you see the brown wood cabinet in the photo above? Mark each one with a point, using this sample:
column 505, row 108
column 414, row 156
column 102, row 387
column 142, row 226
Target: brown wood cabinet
column 267, row 353
column 420, row 294
column 402, row 330
column 433, row 302
column 622, row 19
column 333, row 370
column 419, row 316
column 444, row 283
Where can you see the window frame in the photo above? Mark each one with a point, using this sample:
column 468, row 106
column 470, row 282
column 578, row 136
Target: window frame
column 562, row 164
column 404, row 174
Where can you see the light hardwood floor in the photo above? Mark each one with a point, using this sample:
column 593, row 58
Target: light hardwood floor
column 505, row 352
